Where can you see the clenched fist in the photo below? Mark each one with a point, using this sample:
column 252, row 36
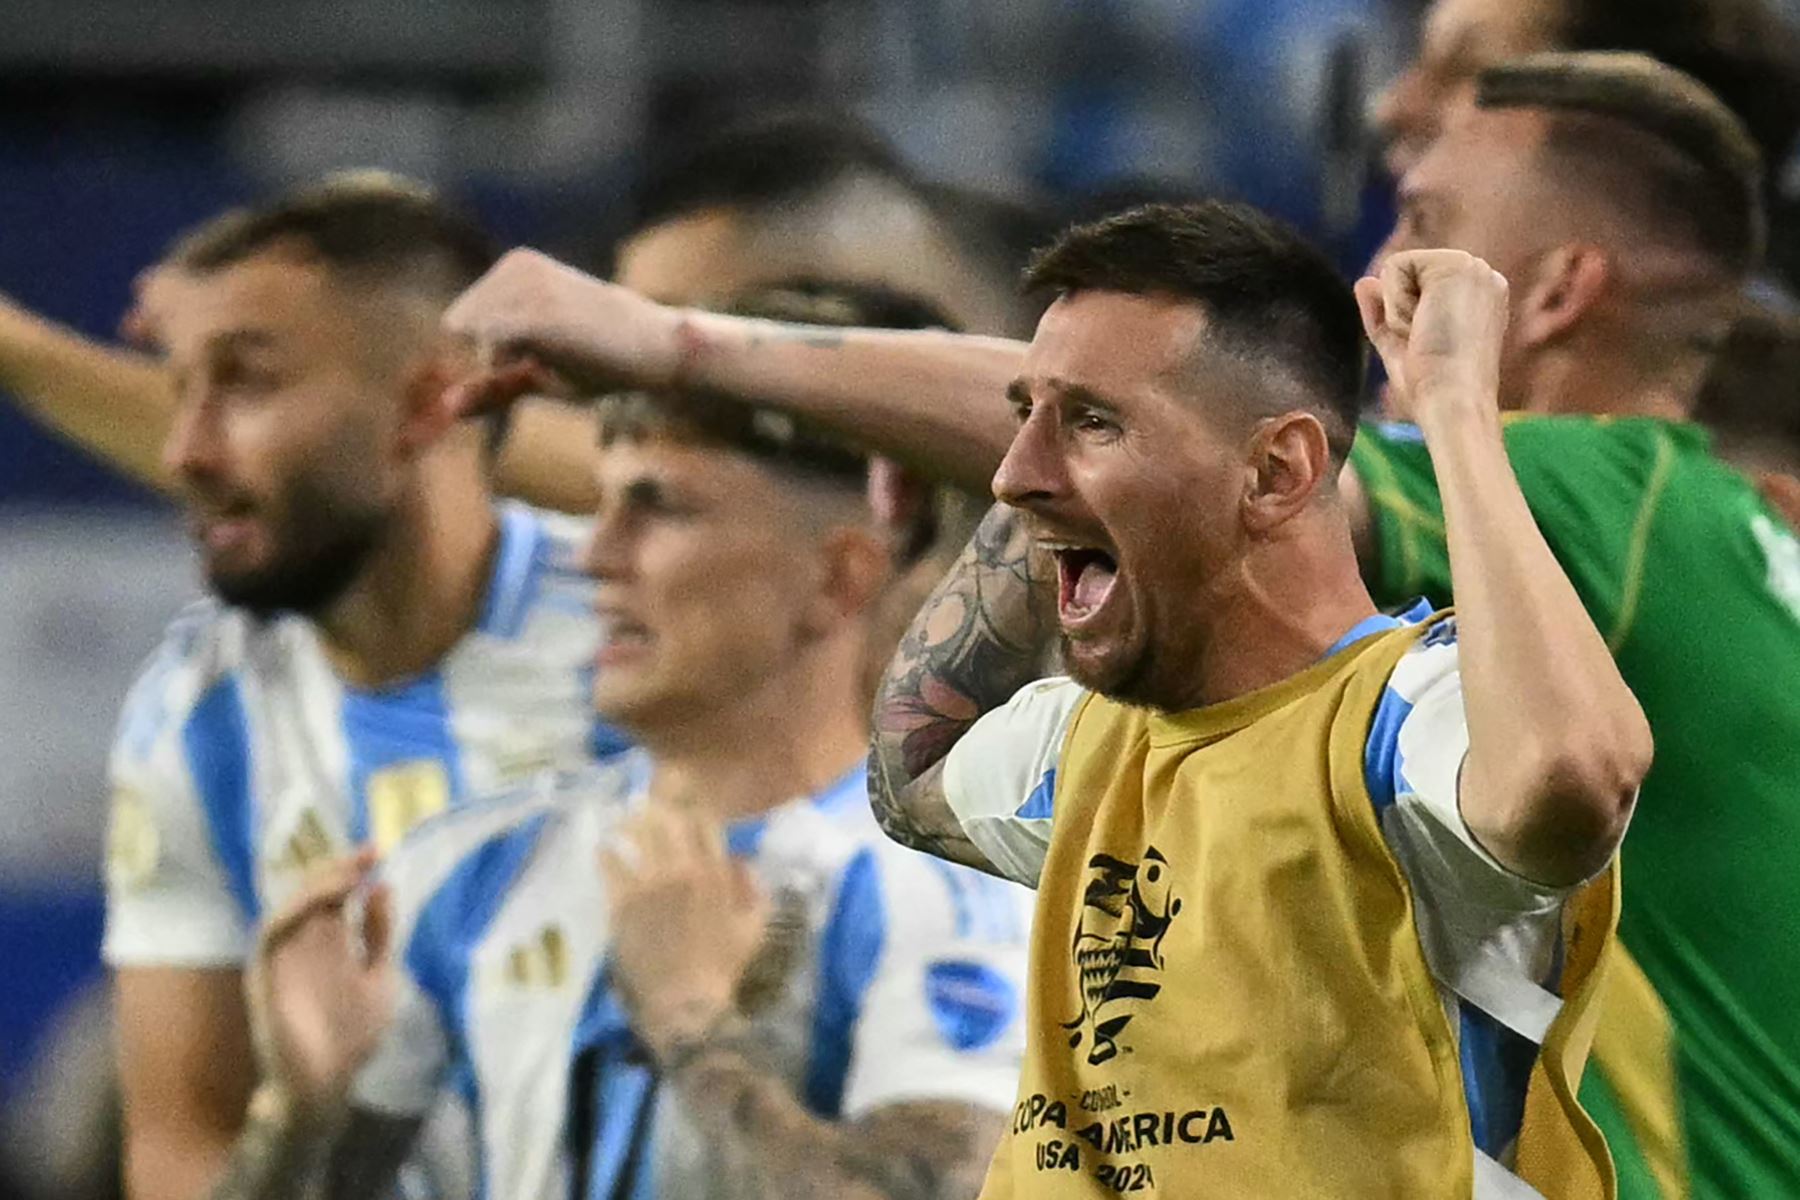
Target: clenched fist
column 1438, row 319
column 530, row 311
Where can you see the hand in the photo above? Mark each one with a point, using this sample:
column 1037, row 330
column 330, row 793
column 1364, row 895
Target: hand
column 154, row 293
column 320, row 993
column 687, row 920
column 1438, row 319
column 531, row 310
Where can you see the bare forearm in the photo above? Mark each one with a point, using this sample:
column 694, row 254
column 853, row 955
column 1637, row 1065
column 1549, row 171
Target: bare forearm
column 1558, row 743
column 935, row 1152
column 985, row 632
column 550, row 457
column 931, row 399
column 112, row 402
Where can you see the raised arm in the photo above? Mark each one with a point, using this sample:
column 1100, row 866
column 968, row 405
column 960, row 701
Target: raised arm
column 985, row 632
column 1557, row 742
column 115, row 403
column 931, row 399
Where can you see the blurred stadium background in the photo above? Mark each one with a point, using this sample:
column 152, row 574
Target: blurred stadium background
column 124, row 121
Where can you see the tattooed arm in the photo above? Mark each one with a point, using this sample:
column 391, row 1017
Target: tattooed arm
column 925, row 1150
column 281, row 1155
column 984, row 633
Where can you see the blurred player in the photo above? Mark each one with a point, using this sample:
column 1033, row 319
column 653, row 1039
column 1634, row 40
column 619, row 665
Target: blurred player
column 1623, row 203
column 383, row 643
column 1742, row 50
column 671, row 977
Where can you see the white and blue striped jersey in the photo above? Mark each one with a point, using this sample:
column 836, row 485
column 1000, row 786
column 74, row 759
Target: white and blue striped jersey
column 1492, row 939
column 241, row 757
column 905, row 982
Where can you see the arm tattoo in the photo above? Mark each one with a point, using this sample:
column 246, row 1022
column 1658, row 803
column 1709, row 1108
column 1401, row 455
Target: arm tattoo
column 984, row 633
column 934, row 1150
column 279, row 1158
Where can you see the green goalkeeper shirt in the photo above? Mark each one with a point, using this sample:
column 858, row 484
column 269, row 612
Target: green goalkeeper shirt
column 1696, row 587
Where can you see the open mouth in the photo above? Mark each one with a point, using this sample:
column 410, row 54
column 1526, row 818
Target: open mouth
column 1085, row 581
column 620, row 635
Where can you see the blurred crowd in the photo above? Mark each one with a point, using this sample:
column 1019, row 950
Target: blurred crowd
column 1653, row 244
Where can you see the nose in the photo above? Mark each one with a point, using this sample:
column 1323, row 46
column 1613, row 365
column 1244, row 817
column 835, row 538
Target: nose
column 1405, row 116
column 1032, row 471
column 607, row 552
column 195, row 444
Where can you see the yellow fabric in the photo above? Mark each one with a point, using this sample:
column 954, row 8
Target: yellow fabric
column 1228, row 995
column 1634, row 1048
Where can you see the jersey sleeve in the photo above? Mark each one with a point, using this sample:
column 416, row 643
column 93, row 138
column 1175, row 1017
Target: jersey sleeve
column 1000, row 777
column 1472, row 909
column 173, row 899
column 1595, row 488
column 941, row 1014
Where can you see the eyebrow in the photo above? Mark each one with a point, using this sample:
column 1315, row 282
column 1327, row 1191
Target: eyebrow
column 240, row 338
column 1019, row 392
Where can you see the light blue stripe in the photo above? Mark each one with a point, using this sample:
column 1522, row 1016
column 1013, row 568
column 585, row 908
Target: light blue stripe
column 216, row 740
column 1496, row 1069
column 519, row 561
column 389, row 726
column 1365, row 628
column 959, row 895
column 849, row 951
column 1384, row 767
column 441, row 952
column 1041, row 804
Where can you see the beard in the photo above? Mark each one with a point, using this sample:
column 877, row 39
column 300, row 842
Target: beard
column 322, row 543
column 1129, row 680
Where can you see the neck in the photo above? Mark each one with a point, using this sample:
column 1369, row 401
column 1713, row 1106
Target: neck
column 795, row 735
column 1287, row 604
column 1599, row 382
column 423, row 588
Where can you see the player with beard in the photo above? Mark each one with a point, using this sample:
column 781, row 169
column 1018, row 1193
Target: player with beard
column 1186, row 406
column 384, row 640
column 699, row 972
column 1622, row 202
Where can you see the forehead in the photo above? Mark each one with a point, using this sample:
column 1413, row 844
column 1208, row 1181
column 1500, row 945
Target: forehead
column 1476, row 147
column 692, row 259
column 697, row 468
column 1111, row 343
column 1481, row 33
column 273, row 293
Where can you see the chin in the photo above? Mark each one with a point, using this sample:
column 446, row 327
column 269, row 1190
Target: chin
column 1125, row 675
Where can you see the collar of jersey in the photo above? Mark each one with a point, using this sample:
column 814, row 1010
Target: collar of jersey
column 744, row 837
column 1216, row 720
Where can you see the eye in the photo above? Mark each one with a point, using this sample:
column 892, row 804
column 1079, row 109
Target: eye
column 1021, row 408
column 1091, row 421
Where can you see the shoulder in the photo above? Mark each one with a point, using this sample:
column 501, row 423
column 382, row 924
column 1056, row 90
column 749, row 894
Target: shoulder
column 202, row 655
column 435, row 849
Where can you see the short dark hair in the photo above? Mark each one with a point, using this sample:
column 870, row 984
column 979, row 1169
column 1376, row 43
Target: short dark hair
column 1688, row 164
column 768, row 159
column 1752, row 393
column 1267, row 293
column 363, row 224
column 1743, row 51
